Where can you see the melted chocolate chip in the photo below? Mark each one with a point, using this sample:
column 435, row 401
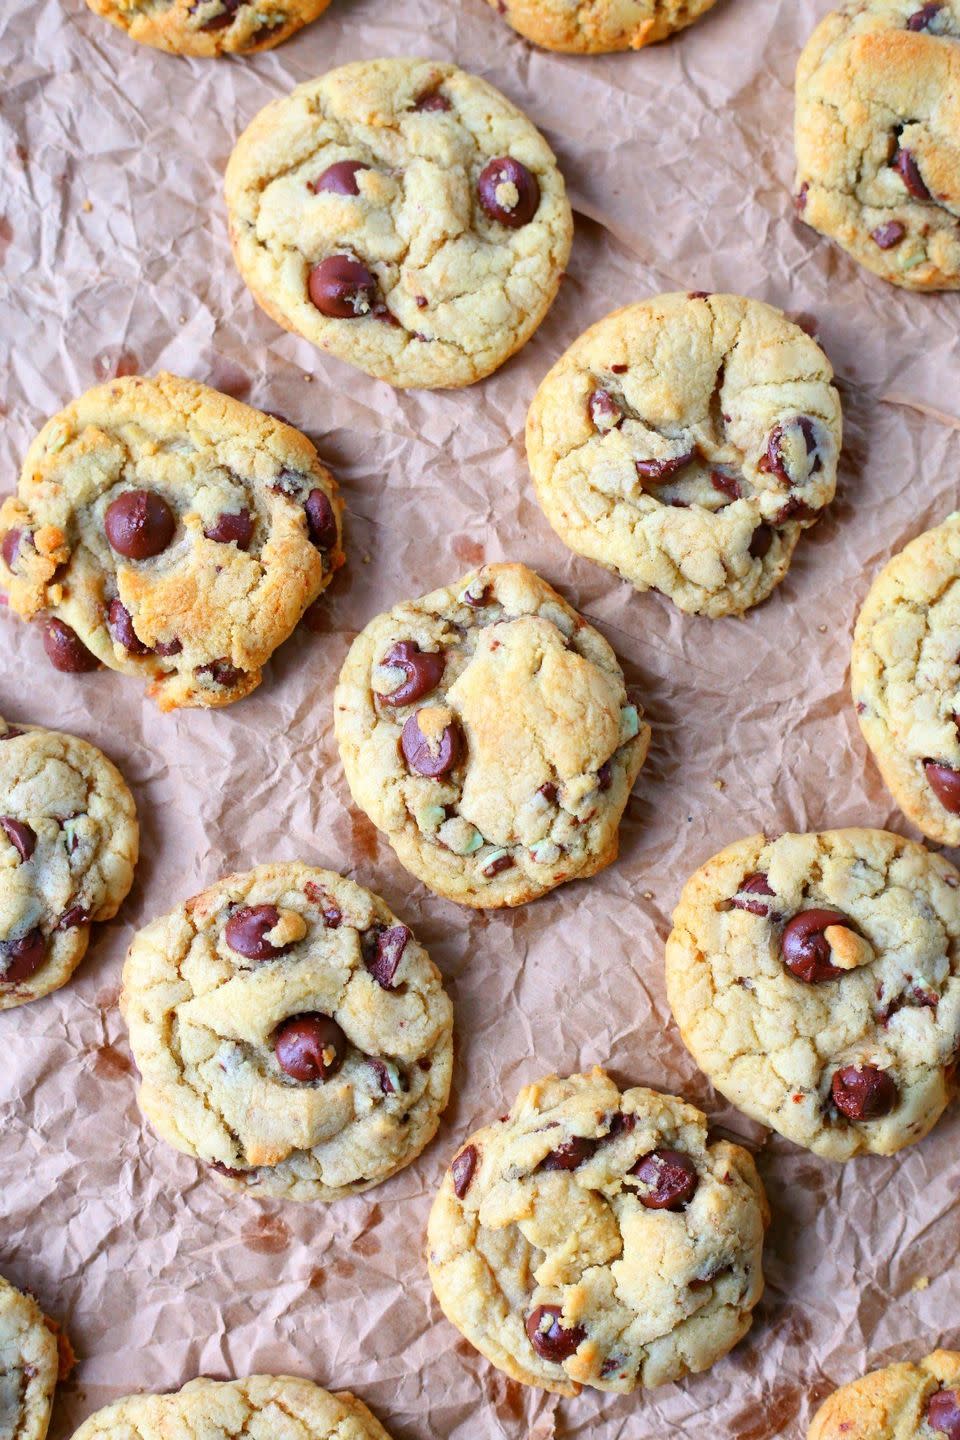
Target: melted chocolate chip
column 232, row 528
column 383, row 949
column 889, row 235
column 169, row 647
column 10, row 548
column 670, row 1177
column 21, row 958
column 760, row 542
column 139, row 524
column 775, row 459
column 309, row 1047
column 495, row 178
column 221, row 21
column 342, row 288
column 604, row 410
column 463, row 1170
column 120, row 625
column 221, row 672
column 570, row 1154
column 496, row 866
column 943, row 1413
column 70, row 919
column 921, row 20
column 423, row 671
column 321, row 521
column 427, row 759
column 246, row 931
column 432, row 101
column 605, row 775
column 944, row 781
column 727, row 485
column 548, row 1336
column 751, row 886
column 21, row 836
column 806, row 950
column 909, row 172
column 66, row 651
column 339, row 179
column 656, row 470
column 863, row 1092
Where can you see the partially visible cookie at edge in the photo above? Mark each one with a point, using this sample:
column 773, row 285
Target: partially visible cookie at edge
column 31, row 1361
column 210, row 27
column 900, row 1402
column 596, row 27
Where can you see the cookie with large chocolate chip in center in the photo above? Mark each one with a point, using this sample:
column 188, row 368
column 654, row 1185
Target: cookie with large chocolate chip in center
column 686, row 442
column 30, row 1363
column 402, row 215
column 593, row 1237
column 878, row 137
column 290, row 1032
column 68, row 846
column 900, row 1402
column 210, row 27
column 593, row 27
column 905, row 677
column 487, row 730
column 171, row 532
column 816, row 980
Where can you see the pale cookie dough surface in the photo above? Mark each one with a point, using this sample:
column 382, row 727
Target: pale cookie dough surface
column 199, row 616
column 526, row 702
column 905, row 679
column 685, row 443
column 205, row 1021
column 878, row 138
column 260, row 1407
column 68, row 846
column 209, row 27
column 29, row 1364
column 900, row 1402
column 774, row 1043
column 593, row 27
column 454, row 291
column 541, row 1209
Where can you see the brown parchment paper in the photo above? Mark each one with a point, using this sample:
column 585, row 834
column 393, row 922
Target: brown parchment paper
column 114, row 257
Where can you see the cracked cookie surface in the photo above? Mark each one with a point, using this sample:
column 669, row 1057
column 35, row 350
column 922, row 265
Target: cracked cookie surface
column 402, row 215
column 905, row 679
column 290, row 1032
column 878, row 138
column 209, row 27
column 68, row 846
column 685, row 443
column 598, row 1238
column 259, row 1407
column 900, row 1402
column 168, row 531
column 29, row 1365
column 816, row 981
column 486, row 729
column 595, row 27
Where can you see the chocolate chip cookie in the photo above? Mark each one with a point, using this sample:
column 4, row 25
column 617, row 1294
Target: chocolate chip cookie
column 290, row 1032
column 209, row 27
column 686, row 443
column 593, row 27
column 165, row 530
column 905, row 676
column 248, row 1409
column 403, row 216
column 29, row 1365
column 68, row 846
column 900, row 1402
column 598, row 1238
column 816, row 981
column 878, row 138
column 486, row 730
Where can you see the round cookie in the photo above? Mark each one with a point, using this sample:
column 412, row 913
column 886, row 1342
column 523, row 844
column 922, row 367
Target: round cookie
column 598, row 1238
column 900, row 1402
column 878, row 138
column 595, row 27
column 486, row 729
column 258, row 1406
column 69, row 841
column 210, row 27
column 170, row 532
column 905, row 677
column 403, row 216
column 685, row 443
column 29, row 1365
column 816, row 981
column 290, row 1032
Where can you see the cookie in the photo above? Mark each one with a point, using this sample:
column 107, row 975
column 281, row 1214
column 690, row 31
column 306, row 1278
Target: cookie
column 403, row 216
column 594, row 27
column 900, row 1402
column 878, row 138
column 165, row 530
column 69, row 841
column 486, row 730
column 816, row 981
column 210, row 27
column 282, row 1406
column 685, row 443
column 290, row 1032
column 905, row 677
column 29, row 1365
column 598, row 1238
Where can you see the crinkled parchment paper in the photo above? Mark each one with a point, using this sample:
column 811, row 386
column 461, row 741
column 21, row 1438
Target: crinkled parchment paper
column 114, row 256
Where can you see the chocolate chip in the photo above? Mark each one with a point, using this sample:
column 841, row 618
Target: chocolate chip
column 321, row 521
column 169, row 647
column 383, row 949
column 909, row 172
column 751, row 885
column 726, row 484
column 342, row 288
column 549, row 792
column 19, row 959
column 863, row 1092
column 760, row 542
column 246, row 931
column 943, row 1412
column 227, row 1170
column 424, row 758
column 500, row 173
column 309, row 1047
column 384, row 1078
column 11, row 733
column 806, row 950
column 10, row 548
column 332, row 914
column 423, row 671
column 657, row 470
column 339, row 179
column 139, row 524
column 605, row 775
column 120, row 625
column 921, row 20
column 432, row 101
column 232, row 527
column 775, row 460
column 221, row 672
column 570, row 1154
column 463, row 1170
column 66, row 651
column 618, row 369
column 604, row 410
column 671, row 1179
column 551, row 1340
column 944, row 781
column 800, row 199
column 794, row 509
column 221, row 21
column 889, row 235
column 21, row 835
column 70, row 919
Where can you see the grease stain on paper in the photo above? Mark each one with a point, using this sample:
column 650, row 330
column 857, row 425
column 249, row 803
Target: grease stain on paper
column 267, row 1235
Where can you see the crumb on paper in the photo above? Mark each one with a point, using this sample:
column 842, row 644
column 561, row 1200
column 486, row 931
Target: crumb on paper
column 718, row 784
column 87, row 206
column 922, row 1282
column 648, row 894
